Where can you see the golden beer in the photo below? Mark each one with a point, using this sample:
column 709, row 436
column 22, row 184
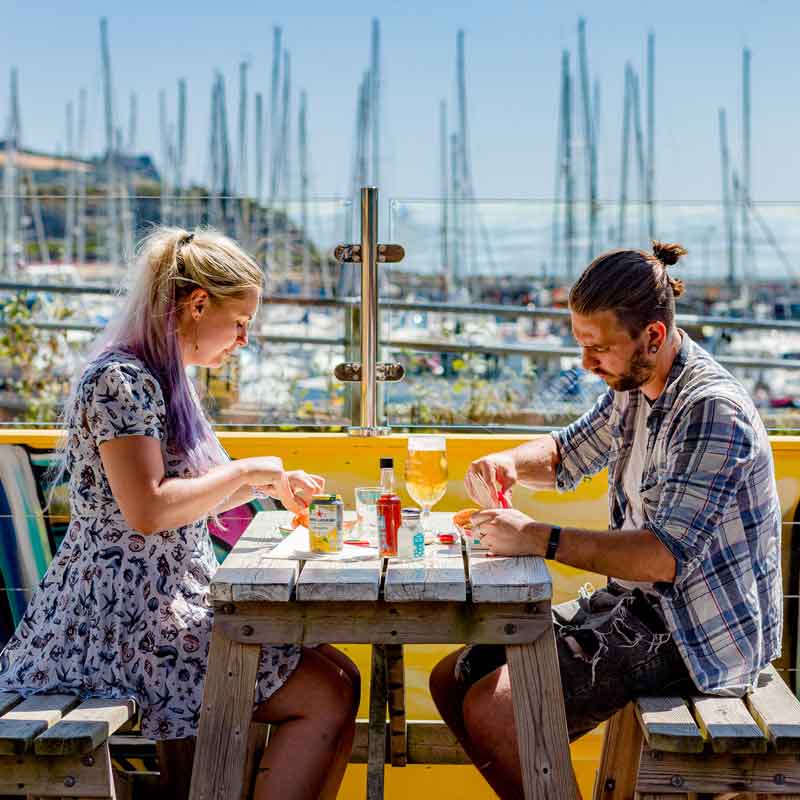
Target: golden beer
column 426, row 476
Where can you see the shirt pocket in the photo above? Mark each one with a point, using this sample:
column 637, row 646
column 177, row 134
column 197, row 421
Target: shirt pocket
column 650, row 491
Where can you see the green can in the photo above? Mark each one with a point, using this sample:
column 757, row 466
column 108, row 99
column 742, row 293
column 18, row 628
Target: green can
column 326, row 523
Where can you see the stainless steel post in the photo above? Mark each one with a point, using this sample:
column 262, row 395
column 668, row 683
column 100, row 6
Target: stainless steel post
column 369, row 253
column 369, row 307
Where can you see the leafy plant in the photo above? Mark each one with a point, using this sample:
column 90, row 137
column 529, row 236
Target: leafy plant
column 32, row 359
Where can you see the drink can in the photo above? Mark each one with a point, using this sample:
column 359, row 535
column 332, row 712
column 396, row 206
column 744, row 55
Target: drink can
column 388, row 524
column 326, row 523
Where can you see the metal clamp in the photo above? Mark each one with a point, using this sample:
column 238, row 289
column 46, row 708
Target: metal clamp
column 389, row 371
column 351, row 253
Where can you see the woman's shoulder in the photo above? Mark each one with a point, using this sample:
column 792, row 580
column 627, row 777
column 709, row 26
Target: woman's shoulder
column 116, row 368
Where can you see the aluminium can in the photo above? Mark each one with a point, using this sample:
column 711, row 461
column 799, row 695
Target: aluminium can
column 326, row 523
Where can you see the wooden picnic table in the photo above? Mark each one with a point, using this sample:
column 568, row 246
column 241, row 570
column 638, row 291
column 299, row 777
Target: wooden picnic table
column 454, row 596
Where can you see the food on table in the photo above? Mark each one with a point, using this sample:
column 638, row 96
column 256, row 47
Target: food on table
column 301, row 518
column 463, row 518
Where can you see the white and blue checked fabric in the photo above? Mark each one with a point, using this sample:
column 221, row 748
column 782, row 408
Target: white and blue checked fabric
column 709, row 494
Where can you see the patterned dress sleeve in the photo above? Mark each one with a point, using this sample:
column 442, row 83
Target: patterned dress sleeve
column 124, row 399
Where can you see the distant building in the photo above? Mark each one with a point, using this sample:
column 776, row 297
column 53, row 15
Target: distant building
column 48, row 168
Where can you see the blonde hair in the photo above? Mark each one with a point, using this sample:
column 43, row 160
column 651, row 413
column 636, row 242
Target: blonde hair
column 170, row 263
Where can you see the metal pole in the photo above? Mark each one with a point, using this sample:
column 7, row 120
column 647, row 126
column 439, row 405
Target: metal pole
column 369, row 306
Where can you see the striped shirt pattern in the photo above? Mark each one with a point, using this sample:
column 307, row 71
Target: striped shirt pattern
column 709, row 494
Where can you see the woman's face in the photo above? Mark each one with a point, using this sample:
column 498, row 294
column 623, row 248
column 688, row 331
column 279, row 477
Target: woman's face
column 213, row 330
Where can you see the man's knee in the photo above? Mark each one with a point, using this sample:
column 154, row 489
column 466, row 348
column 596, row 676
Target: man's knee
column 442, row 681
column 488, row 710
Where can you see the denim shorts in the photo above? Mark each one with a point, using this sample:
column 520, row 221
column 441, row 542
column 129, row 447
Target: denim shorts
column 613, row 646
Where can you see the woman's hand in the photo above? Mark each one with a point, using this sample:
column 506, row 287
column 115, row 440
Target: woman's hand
column 294, row 488
column 508, row 532
column 302, row 487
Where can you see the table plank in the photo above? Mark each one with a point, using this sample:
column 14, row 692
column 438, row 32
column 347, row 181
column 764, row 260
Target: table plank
column 384, row 623
column 440, row 576
column 332, row 580
column 508, row 580
column 248, row 573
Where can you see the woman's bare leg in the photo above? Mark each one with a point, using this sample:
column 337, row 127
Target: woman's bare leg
column 314, row 709
column 342, row 756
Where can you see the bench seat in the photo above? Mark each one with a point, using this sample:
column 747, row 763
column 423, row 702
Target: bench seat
column 675, row 747
column 55, row 745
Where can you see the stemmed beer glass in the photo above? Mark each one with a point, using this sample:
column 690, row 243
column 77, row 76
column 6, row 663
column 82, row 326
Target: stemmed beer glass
column 426, row 473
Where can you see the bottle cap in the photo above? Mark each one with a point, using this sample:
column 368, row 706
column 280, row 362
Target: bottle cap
column 387, row 463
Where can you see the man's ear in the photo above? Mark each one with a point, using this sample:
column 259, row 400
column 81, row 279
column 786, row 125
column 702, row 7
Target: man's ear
column 656, row 334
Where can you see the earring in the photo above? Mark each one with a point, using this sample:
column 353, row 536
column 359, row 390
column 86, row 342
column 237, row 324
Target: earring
column 196, row 343
column 653, row 349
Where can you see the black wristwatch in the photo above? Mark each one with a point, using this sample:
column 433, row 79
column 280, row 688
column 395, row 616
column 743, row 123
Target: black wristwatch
column 552, row 542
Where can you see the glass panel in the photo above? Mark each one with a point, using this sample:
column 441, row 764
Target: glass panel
column 62, row 267
column 477, row 311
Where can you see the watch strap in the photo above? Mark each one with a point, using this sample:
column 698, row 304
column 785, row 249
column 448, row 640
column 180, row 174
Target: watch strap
column 552, row 542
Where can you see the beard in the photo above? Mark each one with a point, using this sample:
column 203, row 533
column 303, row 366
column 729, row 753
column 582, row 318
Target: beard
column 639, row 371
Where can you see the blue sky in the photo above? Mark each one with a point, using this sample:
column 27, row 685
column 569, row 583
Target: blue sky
column 513, row 60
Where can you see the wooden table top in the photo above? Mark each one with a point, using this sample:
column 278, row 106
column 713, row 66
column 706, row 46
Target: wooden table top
column 448, row 573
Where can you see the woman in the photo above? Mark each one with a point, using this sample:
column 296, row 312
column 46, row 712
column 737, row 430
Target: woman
column 123, row 609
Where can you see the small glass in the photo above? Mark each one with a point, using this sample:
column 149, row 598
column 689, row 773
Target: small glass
column 367, row 512
column 426, row 473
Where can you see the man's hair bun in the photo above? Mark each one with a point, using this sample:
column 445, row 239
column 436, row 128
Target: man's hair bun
column 668, row 254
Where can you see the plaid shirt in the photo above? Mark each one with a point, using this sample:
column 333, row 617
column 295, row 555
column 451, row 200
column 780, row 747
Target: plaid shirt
column 708, row 493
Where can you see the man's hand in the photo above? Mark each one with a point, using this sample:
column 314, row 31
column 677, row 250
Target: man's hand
column 497, row 471
column 508, row 532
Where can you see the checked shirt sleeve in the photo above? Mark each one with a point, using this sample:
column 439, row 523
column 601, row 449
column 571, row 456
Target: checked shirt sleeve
column 709, row 457
column 584, row 445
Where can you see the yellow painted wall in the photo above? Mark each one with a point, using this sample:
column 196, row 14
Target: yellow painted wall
column 349, row 462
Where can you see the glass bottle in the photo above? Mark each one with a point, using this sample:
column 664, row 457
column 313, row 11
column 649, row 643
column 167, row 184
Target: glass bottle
column 410, row 537
column 387, row 475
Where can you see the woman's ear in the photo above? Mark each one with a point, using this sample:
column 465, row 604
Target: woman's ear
column 198, row 301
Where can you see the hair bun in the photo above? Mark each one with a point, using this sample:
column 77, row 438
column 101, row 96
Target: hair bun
column 668, row 254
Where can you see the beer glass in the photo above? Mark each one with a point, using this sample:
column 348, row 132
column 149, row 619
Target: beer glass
column 426, row 473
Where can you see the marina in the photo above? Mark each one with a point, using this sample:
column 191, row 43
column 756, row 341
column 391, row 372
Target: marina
column 384, row 315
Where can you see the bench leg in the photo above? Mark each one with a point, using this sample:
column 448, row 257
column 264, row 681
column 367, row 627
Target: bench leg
column 540, row 720
column 175, row 760
column 376, row 742
column 395, row 676
column 228, row 699
column 619, row 762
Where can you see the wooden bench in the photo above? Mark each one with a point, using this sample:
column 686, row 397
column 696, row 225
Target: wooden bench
column 56, row 745
column 706, row 746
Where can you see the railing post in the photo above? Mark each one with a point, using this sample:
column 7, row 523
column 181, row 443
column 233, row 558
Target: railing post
column 369, row 371
column 369, row 308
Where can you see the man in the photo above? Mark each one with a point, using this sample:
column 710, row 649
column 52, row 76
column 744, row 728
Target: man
column 695, row 601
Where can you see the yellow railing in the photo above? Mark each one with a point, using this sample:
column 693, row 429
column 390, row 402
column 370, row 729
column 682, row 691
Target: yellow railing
column 347, row 462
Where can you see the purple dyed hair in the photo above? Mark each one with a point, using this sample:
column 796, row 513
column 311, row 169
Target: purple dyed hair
column 171, row 263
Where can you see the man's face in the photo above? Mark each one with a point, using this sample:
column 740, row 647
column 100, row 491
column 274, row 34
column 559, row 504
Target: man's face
column 610, row 352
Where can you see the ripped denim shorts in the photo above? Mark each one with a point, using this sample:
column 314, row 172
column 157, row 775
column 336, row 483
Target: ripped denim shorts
column 613, row 646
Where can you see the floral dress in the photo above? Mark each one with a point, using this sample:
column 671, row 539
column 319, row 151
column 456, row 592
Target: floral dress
column 120, row 614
